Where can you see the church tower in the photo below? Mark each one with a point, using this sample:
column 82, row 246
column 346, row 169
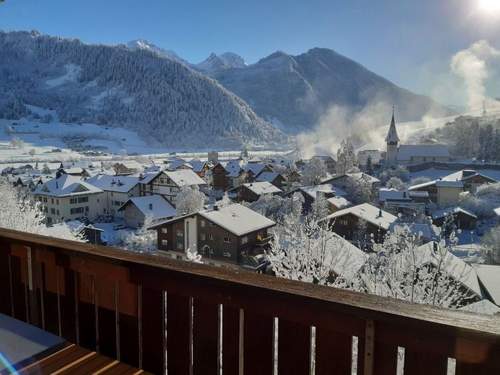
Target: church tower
column 392, row 141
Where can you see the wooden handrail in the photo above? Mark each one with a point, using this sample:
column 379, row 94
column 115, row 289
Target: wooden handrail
column 471, row 338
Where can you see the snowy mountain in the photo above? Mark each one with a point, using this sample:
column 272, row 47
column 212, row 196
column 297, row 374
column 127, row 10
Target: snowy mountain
column 218, row 63
column 141, row 44
column 165, row 101
column 295, row 91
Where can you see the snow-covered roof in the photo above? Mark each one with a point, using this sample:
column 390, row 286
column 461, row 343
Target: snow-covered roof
column 185, row 177
column 369, row 213
column 345, row 258
column 490, row 278
column 267, row 176
column 385, row 194
column 339, row 202
column 392, row 134
column 118, row 184
column 197, row 165
column 261, row 188
column 323, row 188
column 255, row 168
column 482, row 307
column 66, row 185
column 451, row 211
column 233, row 167
column 74, row 170
column 406, row 152
column 439, row 183
column 464, row 175
column 152, row 206
column 177, row 163
column 364, row 176
column 146, row 178
column 453, row 266
column 425, row 231
column 237, row 219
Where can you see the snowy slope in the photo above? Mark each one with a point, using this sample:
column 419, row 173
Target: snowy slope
column 163, row 100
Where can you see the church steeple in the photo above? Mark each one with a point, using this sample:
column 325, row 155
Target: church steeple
column 392, row 136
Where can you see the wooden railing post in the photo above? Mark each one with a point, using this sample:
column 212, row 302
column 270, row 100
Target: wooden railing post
column 369, row 347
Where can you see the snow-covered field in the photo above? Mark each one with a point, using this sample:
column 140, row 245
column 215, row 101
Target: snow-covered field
column 31, row 139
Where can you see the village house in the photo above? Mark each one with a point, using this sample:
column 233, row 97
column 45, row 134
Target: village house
column 311, row 193
column 328, row 161
column 272, row 177
column 338, row 203
column 152, row 208
column 217, row 177
column 349, row 222
column 252, row 191
column 69, row 198
column 117, row 191
column 461, row 218
column 169, row 183
column 404, row 202
column 470, row 178
column 443, row 193
column 231, row 234
column 344, row 181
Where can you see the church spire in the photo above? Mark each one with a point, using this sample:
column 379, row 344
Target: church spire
column 392, row 135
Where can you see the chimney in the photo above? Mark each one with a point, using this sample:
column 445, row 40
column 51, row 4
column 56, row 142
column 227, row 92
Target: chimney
column 379, row 212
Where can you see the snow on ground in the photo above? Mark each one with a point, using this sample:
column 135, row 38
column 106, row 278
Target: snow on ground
column 434, row 173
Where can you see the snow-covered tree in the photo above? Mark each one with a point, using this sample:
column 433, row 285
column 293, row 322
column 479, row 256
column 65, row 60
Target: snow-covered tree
column 400, row 172
column 491, row 245
column 483, row 201
column 189, row 200
column 419, row 180
column 141, row 240
column 359, row 190
column 309, row 252
column 346, row 157
column 277, row 208
column 21, row 213
column 400, row 268
column 314, row 172
column 319, row 207
column 395, row 183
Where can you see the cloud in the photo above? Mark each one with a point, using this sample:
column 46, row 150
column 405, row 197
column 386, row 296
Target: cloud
column 474, row 65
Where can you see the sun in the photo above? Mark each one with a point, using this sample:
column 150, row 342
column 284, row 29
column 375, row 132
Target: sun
column 489, row 6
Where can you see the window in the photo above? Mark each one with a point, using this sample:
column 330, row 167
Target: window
column 227, row 239
column 164, row 243
column 227, row 254
column 73, row 201
column 86, row 208
column 57, row 201
column 58, row 212
column 52, row 201
column 244, row 240
column 179, row 233
column 83, row 199
column 53, row 211
column 76, row 210
column 211, row 237
column 164, row 230
column 45, row 199
column 203, row 236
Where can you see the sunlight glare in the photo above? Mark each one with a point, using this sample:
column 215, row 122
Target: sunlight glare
column 489, row 5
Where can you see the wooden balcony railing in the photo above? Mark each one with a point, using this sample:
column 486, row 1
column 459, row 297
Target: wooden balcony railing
column 160, row 314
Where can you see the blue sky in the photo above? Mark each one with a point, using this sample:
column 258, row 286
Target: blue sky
column 407, row 41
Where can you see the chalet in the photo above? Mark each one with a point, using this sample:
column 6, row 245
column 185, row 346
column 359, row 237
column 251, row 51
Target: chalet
column 139, row 210
column 217, row 178
column 462, row 219
column 125, row 169
column 252, row 191
column 443, row 193
column 68, row 198
column 311, row 193
column 347, row 222
column 272, row 177
column 199, row 167
column 337, row 203
column 175, row 164
column 345, row 180
column 117, row 191
column 405, row 202
column 470, row 178
column 169, row 183
column 256, row 168
column 232, row 234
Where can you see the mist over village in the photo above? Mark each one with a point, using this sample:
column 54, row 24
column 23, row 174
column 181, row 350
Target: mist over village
column 254, row 189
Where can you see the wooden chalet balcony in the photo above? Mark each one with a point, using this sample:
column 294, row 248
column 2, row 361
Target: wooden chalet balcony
column 157, row 313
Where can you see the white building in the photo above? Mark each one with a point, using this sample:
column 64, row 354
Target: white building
column 68, row 198
column 138, row 210
column 397, row 154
